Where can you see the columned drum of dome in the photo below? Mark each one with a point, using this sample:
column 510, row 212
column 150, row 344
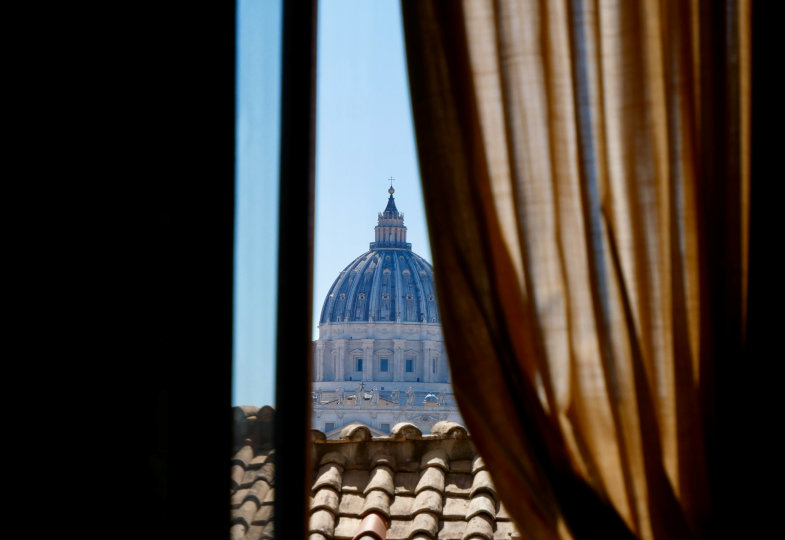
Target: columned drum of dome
column 380, row 357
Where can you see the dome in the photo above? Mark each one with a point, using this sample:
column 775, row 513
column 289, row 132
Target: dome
column 383, row 285
column 387, row 283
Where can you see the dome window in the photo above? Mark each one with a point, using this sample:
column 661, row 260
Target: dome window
column 409, row 296
column 384, row 364
column 430, row 297
column 385, row 296
column 342, row 296
column 361, row 296
column 406, row 272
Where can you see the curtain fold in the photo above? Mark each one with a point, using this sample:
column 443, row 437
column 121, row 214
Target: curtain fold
column 585, row 169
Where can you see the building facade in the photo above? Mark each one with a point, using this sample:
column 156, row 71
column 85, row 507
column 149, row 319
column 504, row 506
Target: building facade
column 380, row 356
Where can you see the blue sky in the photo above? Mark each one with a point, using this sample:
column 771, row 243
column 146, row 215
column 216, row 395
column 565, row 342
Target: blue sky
column 364, row 136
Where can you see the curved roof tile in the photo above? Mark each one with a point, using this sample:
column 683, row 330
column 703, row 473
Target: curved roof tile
column 433, row 486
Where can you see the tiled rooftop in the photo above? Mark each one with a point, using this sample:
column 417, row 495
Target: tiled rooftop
column 424, row 486
column 252, row 474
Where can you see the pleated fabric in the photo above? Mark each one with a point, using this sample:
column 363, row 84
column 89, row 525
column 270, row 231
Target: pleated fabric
column 585, row 167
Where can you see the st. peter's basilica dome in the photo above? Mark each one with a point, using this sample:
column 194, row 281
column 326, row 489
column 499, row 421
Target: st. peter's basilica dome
column 387, row 283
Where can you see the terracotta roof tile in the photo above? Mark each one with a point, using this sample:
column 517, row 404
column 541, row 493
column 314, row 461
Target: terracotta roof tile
column 452, row 430
column 236, row 476
column 355, row 432
column 346, row 528
column 333, row 457
column 266, row 472
column 435, row 458
column 269, row 531
column 452, row 530
column 401, row 507
column 264, row 514
column 381, row 478
column 431, row 478
column 405, row 430
column 243, row 456
column 455, row 508
column 428, row 501
column 330, row 476
column 249, row 476
column 322, row 521
column 482, row 503
column 383, row 457
column 406, row 482
column 458, row 484
column 237, row 531
column 377, row 501
column 479, row 527
column 354, row 481
column 482, row 482
column 258, row 490
column 245, row 513
column 351, row 505
column 238, row 497
column 327, row 499
column 425, row 523
column 259, row 460
column 428, row 486
column 255, row 532
column 399, row 529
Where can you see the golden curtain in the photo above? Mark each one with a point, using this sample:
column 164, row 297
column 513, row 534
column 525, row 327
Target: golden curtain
column 585, row 168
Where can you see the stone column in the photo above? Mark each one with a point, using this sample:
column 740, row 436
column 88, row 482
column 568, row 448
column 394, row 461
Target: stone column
column 398, row 367
column 367, row 359
column 340, row 346
column 319, row 375
column 428, row 349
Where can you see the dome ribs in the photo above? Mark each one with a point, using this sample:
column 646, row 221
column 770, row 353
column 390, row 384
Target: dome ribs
column 398, row 289
column 385, row 294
